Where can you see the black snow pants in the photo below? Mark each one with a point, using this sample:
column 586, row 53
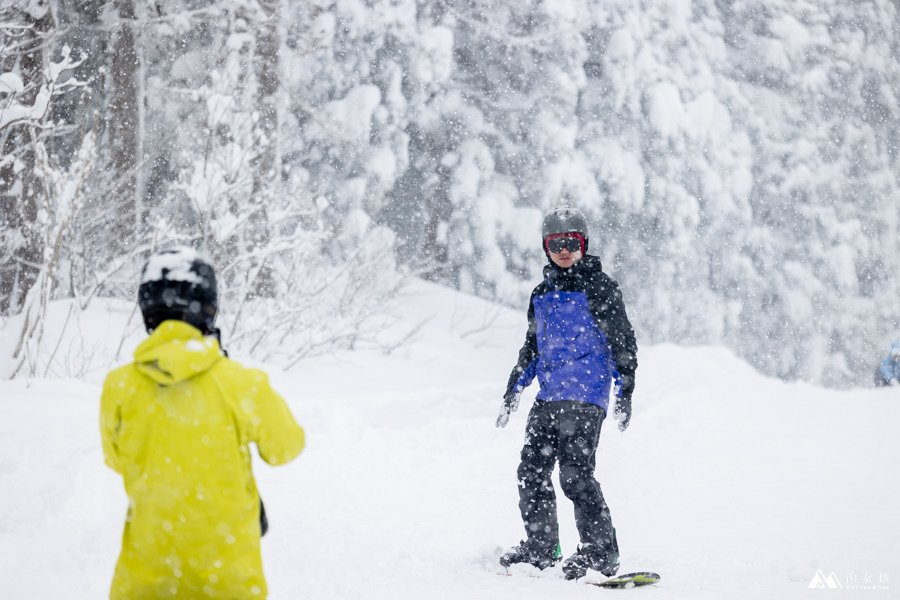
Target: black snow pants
column 566, row 431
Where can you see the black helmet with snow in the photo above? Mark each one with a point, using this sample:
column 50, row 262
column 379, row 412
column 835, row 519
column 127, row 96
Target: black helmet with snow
column 177, row 283
column 564, row 219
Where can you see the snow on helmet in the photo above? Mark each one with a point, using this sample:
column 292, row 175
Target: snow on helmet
column 565, row 219
column 177, row 283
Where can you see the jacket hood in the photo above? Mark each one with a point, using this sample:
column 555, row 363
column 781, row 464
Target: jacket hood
column 175, row 352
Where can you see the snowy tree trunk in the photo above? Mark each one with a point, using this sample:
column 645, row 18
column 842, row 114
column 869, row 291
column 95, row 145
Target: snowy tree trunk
column 18, row 186
column 265, row 133
column 435, row 249
column 266, row 67
column 124, row 123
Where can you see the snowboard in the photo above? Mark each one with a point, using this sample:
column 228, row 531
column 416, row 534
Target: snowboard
column 629, row 580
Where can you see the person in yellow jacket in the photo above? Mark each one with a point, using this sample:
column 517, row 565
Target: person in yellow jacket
column 177, row 424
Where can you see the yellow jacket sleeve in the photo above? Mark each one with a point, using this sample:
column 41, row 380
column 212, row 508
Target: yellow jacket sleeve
column 110, row 421
column 277, row 435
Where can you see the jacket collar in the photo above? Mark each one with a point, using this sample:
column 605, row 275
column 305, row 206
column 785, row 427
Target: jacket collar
column 555, row 276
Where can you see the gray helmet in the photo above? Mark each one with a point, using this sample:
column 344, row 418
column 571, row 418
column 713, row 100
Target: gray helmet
column 565, row 219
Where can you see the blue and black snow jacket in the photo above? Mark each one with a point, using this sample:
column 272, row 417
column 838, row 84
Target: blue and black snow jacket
column 579, row 338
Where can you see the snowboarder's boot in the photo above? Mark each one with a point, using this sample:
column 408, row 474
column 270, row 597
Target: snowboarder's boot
column 531, row 553
column 591, row 556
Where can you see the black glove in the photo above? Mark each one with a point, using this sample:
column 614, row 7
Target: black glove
column 510, row 404
column 622, row 412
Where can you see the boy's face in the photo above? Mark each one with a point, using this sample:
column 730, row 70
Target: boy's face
column 565, row 249
column 565, row 259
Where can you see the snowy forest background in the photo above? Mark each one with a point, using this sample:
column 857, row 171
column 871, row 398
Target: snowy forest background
column 738, row 162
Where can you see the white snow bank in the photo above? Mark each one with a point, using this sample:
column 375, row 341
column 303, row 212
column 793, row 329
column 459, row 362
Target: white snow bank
column 728, row 483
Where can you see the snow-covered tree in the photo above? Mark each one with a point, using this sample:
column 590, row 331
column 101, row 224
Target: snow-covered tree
column 737, row 160
column 277, row 259
column 25, row 93
column 820, row 106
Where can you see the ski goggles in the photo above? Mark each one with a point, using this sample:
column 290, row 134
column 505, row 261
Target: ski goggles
column 571, row 241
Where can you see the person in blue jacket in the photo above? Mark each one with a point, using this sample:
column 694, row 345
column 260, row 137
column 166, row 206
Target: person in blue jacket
column 579, row 343
column 888, row 373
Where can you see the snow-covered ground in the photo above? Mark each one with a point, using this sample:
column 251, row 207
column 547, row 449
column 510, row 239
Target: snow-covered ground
column 728, row 483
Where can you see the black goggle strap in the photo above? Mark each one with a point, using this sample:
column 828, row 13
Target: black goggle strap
column 218, row 335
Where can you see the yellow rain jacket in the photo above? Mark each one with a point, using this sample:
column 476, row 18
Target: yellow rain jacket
column 176, row 424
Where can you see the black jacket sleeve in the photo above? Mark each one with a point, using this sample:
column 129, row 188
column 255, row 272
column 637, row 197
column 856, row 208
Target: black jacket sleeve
column 523, row 373
column 608, row 309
